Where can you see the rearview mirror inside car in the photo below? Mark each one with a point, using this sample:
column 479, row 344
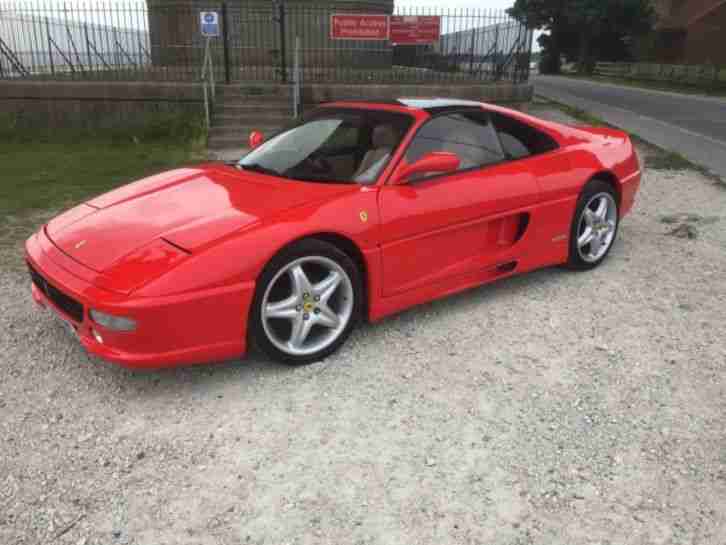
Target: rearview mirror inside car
column 436, row 162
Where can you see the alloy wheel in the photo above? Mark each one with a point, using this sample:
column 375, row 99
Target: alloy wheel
column 307, row 305
column 596, row 230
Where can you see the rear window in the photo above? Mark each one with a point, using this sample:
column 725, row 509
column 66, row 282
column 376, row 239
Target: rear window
column 520, row 140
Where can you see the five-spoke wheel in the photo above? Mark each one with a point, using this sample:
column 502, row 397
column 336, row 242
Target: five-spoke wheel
column 594, row 226
column 306, row 303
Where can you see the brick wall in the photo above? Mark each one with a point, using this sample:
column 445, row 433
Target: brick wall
column 690, row 31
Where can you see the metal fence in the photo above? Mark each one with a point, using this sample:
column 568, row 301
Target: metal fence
column 68, row 46
column 139, row 40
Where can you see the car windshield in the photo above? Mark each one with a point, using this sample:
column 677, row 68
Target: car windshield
column 332, row 145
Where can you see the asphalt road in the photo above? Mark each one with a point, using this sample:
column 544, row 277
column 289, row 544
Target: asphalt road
column 694, row 126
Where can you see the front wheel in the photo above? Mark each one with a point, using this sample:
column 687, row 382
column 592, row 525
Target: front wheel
column 307, row 301
column 594, row 226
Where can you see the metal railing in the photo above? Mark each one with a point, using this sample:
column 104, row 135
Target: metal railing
column 209, row 87
column 136, row 40
column 297, row 80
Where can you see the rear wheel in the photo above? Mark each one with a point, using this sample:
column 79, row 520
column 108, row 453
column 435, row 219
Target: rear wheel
column 594, row 226
column 307, row 301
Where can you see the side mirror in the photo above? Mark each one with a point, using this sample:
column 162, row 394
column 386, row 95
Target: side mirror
column 256, row 138
column 434, row 162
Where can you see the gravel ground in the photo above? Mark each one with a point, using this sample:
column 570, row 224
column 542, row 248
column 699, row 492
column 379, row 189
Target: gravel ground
column 550, row 408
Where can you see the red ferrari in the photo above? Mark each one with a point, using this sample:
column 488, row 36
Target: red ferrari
column 359, row 211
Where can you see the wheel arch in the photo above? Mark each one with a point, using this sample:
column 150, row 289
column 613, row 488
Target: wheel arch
column 345, row 245
column 609, row 178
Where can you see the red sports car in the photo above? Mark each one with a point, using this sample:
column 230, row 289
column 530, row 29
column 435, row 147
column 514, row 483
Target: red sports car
column 359, row 211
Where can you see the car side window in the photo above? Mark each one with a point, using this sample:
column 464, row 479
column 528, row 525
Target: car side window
column 470, row 135
column 520, row 140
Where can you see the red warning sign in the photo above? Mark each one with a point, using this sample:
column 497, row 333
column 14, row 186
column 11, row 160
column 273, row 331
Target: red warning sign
column 350, row 26
column 415, row 29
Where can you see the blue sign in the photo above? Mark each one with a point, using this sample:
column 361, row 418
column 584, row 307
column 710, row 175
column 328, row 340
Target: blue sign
column 209, row 23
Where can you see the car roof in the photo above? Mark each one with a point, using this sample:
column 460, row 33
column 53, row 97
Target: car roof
column 434, row 104
column 426, row 107
column 429, row 105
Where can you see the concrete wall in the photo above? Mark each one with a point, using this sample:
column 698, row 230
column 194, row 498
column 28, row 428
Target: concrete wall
column 115, row 104
column 705, row 38
column 95, row 104
column 254, row 36
column 690, row 32
column 502, row 93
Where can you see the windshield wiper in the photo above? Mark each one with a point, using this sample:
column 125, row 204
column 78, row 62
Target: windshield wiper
column 256, row 167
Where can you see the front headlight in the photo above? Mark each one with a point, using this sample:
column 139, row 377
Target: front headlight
column 115, row 323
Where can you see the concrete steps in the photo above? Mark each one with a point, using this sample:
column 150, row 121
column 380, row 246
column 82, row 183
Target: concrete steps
column 248, row 107
column 256, row 90
column 235, row 135
column 241, row 109
column 228, row 117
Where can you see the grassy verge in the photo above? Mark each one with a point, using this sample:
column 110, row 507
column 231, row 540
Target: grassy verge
column 656, row 158
column 655, row 85
column 44, row 172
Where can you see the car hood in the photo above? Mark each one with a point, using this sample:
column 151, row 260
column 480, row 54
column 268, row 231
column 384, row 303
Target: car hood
column 189, row 207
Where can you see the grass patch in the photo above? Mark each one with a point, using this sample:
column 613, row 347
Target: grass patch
column 45, row 171
column 581, row 115
column 669, row 160
column 672, row 87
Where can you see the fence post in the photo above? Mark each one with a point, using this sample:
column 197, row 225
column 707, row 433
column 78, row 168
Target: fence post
column 50, row 47
column 296, row 72
column 283, row 56
column 91, row 65
column 472, row 50
column 530, row 40
column 716, row 75
column 225, row 44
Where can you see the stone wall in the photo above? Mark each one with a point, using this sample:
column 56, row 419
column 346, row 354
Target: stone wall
column 95, row 104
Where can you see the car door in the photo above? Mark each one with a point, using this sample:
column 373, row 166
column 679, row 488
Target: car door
column 436, row 228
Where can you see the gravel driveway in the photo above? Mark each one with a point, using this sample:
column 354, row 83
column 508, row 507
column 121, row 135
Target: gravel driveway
column 554, row 407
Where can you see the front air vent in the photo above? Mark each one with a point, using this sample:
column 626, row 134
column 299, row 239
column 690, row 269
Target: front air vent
column 69, row 306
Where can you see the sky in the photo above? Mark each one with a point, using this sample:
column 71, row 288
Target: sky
column 480, row 4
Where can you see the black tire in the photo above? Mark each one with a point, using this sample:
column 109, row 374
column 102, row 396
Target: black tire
column 592, row 189
column 305, row 248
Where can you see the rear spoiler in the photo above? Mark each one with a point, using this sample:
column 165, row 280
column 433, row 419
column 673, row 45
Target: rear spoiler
column 605, row 132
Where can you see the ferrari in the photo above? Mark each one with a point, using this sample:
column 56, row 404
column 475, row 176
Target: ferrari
column 357, row 211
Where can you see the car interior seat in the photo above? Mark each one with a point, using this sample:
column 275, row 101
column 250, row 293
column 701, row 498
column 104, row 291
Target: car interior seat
column 384, row 140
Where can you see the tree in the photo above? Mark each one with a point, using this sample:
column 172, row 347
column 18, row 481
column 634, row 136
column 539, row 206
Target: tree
column 584, row 30
column 548, row 15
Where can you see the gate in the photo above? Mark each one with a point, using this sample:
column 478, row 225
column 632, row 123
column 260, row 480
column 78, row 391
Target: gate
column 255, row 41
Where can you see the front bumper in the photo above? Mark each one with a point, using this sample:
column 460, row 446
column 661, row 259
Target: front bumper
column 201, row 326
